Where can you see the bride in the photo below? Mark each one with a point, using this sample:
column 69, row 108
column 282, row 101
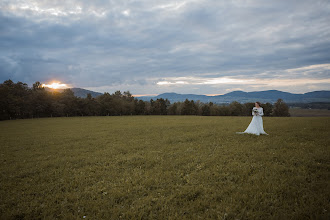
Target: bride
column 256, row 125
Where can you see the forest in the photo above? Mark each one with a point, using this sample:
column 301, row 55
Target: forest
column 18, row 101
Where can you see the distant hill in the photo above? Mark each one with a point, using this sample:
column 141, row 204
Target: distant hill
column 82, row 93
column 240, row 96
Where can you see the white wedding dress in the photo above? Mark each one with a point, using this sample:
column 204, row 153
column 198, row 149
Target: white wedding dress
column 256, row 126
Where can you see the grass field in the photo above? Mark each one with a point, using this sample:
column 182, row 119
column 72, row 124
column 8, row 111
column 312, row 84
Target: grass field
column 296, row 112
column 164, row 167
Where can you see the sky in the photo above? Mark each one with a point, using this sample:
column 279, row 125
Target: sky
column 150, row 47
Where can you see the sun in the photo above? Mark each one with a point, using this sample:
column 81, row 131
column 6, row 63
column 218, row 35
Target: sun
column 55, row 85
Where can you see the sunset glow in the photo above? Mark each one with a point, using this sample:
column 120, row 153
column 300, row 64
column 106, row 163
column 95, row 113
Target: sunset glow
column 55, row 85
column 141, row 95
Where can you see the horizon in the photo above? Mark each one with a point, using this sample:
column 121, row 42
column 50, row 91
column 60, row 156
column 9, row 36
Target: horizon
column 210, row 95
column 153, row 47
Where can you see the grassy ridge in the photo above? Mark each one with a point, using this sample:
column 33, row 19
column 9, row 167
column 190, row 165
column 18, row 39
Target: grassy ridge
column 157, row 167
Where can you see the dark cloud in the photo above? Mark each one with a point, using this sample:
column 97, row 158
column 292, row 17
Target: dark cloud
column 126, row 45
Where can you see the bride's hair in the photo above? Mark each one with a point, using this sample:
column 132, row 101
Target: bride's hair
column 259, row 103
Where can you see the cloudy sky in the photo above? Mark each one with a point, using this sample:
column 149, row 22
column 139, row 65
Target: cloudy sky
column 156, row 46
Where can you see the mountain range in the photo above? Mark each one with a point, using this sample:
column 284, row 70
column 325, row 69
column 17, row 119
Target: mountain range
column 239, row 96
column 243, row 97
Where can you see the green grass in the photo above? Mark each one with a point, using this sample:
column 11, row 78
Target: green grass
column 164, row 167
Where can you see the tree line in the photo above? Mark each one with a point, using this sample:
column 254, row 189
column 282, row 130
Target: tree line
column 18, row 101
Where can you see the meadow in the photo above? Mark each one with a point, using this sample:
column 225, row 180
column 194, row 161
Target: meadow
column 164, row 167
column 296, row 112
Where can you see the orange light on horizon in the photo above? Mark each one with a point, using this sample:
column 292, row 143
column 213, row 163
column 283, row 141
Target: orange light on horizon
column 55, row 85
column 213, row 94
column 145, row 95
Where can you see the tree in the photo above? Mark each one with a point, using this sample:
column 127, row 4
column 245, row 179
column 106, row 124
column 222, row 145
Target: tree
column 14, row 100
column 236, row 109
column 199, row 106
column 89, row 106
column 189, row 108
column 70, row 102
column 40, row 102
column 247, row 108
column 268, row 109
column 172, row 109
column 206, row 111
column 127, row 95
column 117, row 93
column 159, row 107
column 106, row 104
column 128, row 104
column 281, row 109
column 37, row 85
column 139, row 107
